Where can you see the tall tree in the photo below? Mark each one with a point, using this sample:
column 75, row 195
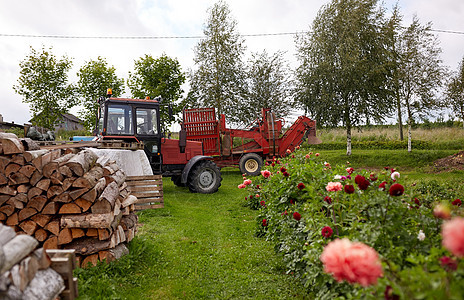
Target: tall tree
column 344, row 65
column 269, row 85
column 95, row 77
column 43, row 83
column 419, row 70
column 218, row 79
column 155, row 77
column 455, row 91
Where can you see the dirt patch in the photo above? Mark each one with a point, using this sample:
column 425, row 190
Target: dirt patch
column 450, row 163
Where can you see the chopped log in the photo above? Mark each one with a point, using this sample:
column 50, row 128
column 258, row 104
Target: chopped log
column 27, row 170
column 77, row 233
column 64, row 159
column 4, row 161
column 107, row 199
column 47, row 284
column 3, row 179
column 57, row 178
column 35, row 178
column 87, row 246
column 51, row 208
column 16, row 203
column 105, row 256
column 77, row 193
column 110, row 168
column 104, row 234
column 129, row 221
column 7, row 190
column 63, row 197
column 18, row 159
column 82, row 162
column 131, row 199
column 119, row 251
column 23, row 189
column 41, row 219
column 4, row 199
column 32, row 154
column 65, row 171
column 16, row 249
column 90, row 179
column 26, row 213
column 92, row 232
column 65, row 236
column 12, row 220
column 42, row 258
column 87, row 220
column 49, row 168
column 53, row 226
column 102, row 161
column 38, row 202
column 18, row 178
column 7, row 209
column 84, row 204
column 119, row 177
column 2, row 217
column 67, row 183
column 51, row 242
column 29, row 144
column 96, row 191
column 43, row 184
column 70, row 208
column 40, row 234
column 91, row 260
column 28, row 226
column 11, row 169
column 34, row 192
column 21, row 197
column 6, row 235
column 54, row 190
column 11, row 145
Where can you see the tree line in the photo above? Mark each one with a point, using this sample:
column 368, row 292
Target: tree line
column 357, row 65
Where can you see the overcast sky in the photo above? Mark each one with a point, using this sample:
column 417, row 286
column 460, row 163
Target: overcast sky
column 174, row 18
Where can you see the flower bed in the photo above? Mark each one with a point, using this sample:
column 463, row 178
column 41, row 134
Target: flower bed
column 357, row 234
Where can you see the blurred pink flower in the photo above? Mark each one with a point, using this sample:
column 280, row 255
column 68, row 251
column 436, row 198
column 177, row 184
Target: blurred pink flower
column 241, row 186
column 351, row 261
column 307, row 156
column 442, row 211
column 453, row 236
column 247, row 182
column 317, row 154
column 266, row 173
column 333, row 187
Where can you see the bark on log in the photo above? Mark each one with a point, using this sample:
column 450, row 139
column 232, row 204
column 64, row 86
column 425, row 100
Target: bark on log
column 30, row 155
column 47, row 284
column 119, row 177
column 129, row 221
column 70, row 208
column 11, row 145
column 65, row 171
column 87, row 220
column 16, row 249
column 51, row 208
column 42, row 258
column 90, row 179
column 74, row 194
column 110, row 168
column 106, row 201
column 131, row 199
column 119, row 251
column 102, row 161
column 82, row 162
column 87, row 246
column 96, row 191
column 29, row 144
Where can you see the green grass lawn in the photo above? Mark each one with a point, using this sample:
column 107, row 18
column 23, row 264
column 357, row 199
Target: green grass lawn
column 197, row 247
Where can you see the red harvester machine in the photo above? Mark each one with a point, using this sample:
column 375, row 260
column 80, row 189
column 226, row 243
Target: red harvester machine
column 249, row 147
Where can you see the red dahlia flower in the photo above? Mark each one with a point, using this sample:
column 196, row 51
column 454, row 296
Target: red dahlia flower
column 328, row 199
column 396, row 190
column 359, row 178
column 264, row 222
column 448, row 263
column 301, row 186
column 372, row 177
column 262, row 202
column 382, row 185
column 285, row 174
column 292, row 201
column 349, row 189
column 457, row 202
column 297, row 216
column 283, row 169
column 327, row 232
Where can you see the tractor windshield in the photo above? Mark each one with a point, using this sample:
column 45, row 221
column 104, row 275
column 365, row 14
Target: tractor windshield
column 120, row 119
column 147, row 121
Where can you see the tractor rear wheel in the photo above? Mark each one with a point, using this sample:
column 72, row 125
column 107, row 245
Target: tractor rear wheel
column 251, row 164
column 204, row 178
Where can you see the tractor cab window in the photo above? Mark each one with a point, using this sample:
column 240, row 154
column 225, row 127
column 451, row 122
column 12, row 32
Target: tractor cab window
column 120, row 120
column 147, row 121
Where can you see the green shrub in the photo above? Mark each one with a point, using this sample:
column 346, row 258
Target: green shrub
column 392, row 145
column 387, row 223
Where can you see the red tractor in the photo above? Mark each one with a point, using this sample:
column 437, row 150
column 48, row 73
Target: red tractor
column 249, row 147
column 138, row 121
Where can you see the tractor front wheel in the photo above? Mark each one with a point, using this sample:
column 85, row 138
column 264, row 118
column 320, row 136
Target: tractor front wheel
column 251, row 164
column 204, row 178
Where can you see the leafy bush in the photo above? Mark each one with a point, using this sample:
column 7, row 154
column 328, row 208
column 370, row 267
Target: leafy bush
column 392, row 145
column 300, row 216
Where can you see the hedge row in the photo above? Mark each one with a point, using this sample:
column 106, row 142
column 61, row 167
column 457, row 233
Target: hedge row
column 392, row 145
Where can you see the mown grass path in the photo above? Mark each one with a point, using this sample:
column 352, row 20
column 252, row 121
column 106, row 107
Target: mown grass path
column 197, row 247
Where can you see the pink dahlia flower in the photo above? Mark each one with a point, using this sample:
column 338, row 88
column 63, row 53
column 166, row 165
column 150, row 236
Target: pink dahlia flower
column 266, row 173
column 351, row 261
column 317, row 154
column 453, row 236
column 241, row 186
column 333, row 187
column 247, row 182
column 307, row 156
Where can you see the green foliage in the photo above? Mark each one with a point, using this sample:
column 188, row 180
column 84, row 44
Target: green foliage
column 43, row 84
column 65, row 135
column 389, row 224
column 393, row 145
column 344, row 66
column 18, row 131
column 455, row 91
column 95, row 77
column 218, row 79
column 155, row 77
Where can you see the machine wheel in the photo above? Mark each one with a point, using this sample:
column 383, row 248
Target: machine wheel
column 177, row 180
column 251, row 164
column 204, row 178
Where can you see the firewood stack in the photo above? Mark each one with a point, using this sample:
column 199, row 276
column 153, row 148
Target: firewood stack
column 25, row 271
column 66, row 199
